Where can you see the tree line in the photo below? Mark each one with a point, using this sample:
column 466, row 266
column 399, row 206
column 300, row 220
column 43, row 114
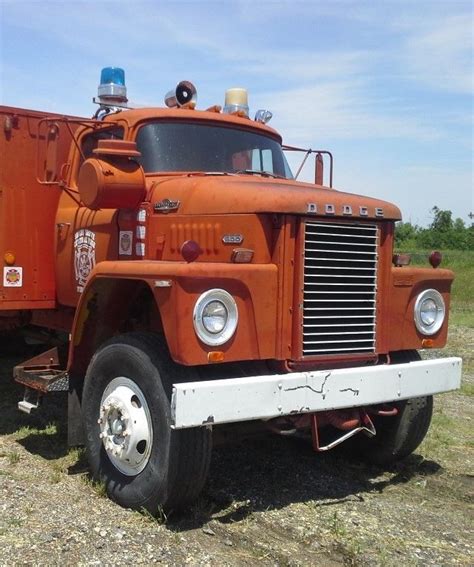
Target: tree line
column 443, row 233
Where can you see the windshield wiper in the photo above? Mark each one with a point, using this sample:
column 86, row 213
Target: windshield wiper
column 258, row 172
column 192, row 173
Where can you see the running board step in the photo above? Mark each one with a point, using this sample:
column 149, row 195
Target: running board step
column 31, row 401
column 42, row 373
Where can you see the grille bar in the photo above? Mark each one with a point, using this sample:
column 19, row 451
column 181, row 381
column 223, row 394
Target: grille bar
column 340, row 286
column 336, row 293
column 352, row 236
column 339, row 334
column 367, row 244
column 338, row 317
column 336, row 350
column 342, row 251
column 331, row 325
column 353, row 261
column 338, row 342
column 360, row 228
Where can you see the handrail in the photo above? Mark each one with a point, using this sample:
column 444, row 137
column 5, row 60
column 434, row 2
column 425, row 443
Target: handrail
column 308, row 152
column 53, row 121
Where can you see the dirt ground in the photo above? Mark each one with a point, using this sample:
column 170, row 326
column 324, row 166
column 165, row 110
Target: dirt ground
column 268, row 502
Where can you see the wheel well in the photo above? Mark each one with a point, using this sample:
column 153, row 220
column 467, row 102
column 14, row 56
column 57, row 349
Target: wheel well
column 112, row 306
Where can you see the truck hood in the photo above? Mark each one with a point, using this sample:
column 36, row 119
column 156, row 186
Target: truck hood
column 221, row 194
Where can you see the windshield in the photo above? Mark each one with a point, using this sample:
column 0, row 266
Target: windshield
column 181, row 146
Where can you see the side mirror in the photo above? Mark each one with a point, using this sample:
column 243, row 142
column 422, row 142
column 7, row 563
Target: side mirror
column 112, row 179
column 49, row 152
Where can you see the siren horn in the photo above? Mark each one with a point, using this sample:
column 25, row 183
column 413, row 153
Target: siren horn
column 184, row 93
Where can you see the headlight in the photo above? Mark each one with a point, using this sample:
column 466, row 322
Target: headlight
column 429, row 312
column 215, row 317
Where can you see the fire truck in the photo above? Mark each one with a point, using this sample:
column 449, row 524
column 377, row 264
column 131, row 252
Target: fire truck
column 189, row 284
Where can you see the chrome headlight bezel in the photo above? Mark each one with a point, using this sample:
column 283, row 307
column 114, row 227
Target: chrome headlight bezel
column 425, row 296
column 204, row 334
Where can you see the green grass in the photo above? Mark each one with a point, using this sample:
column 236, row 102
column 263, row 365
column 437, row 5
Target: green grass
column 12, row 456
column 467, row 389
column 97, row 486
column 462, row 292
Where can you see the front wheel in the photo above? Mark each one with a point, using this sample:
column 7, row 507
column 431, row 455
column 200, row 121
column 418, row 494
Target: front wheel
column 127, row 419
column 397, row 436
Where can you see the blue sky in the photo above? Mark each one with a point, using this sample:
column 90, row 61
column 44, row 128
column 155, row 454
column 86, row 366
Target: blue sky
column 386, row 86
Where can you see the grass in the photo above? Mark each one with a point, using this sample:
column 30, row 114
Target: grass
column 159, row 518
column 467, row 389
column 337, row 526
column 13, row 457
column 98, row 487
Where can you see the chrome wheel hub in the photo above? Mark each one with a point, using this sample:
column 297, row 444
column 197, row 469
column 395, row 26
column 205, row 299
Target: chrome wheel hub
column 125, row 426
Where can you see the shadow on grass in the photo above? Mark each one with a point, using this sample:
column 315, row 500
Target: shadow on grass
column 46, row 432
column 43, row 432
column 274, row 472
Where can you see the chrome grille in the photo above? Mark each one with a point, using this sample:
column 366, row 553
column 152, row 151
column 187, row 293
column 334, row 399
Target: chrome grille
column 340, row 285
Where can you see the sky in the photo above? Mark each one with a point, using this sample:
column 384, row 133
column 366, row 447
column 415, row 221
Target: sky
column 386, row 86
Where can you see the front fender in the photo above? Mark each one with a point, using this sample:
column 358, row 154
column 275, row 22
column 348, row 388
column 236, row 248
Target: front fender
column 406, row 284
column 175, row 288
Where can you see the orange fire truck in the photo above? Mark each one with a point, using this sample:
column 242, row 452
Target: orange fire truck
column 190, row 282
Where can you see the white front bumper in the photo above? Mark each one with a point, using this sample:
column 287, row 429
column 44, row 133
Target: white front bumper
column 262, row 397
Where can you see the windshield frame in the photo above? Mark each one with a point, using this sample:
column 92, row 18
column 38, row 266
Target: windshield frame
column 221, row 124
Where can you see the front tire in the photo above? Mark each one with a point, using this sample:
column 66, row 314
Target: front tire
column 398, row 436
column 127, row 420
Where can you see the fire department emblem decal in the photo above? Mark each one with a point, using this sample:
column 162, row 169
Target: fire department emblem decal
column 12, row 277
column 125, row 242
column 84, row 256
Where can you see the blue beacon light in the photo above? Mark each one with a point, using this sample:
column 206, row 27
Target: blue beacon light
column 112, row 87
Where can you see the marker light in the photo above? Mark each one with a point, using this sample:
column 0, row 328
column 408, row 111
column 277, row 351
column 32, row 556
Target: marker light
column 215, row 356
column 401, row 260
column 241, row 255
column 9, row 258
column 263, row 116
column 190, row 250
column 435, row 258
column 112, row 85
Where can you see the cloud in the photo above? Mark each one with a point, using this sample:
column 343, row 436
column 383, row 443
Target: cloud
column 342, row 110
column 439, row 53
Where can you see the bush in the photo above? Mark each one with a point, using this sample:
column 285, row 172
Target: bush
column 443, row 233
